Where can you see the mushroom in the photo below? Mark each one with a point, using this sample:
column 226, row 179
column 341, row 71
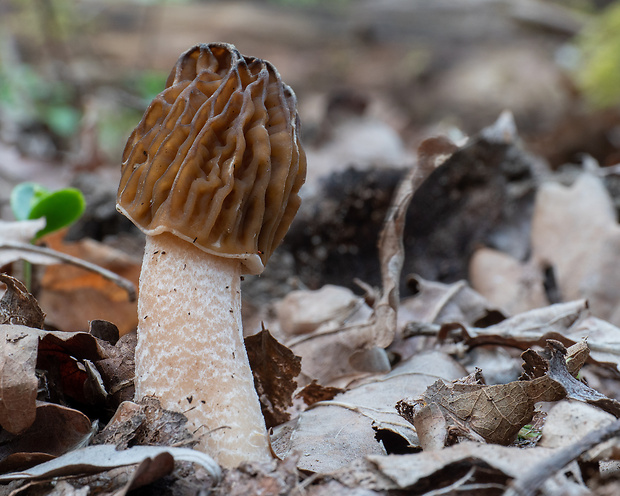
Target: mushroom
column 211, row 175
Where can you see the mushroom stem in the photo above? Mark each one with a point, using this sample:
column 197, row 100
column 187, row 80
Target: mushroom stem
column 190, row 352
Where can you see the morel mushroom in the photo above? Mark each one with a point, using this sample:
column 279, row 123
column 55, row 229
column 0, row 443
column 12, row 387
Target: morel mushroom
column 211, row 174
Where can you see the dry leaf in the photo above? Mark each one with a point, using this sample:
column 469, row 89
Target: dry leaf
column 21, row 232
column 118, row 369
column 497, row 413
column 528, row 328
column 57, row 353
column 508, row 284
column 436, row 302
column 571, row 420
column 478, row 196
column 575, row 231
column 56, row 430
column 18, row 306
column 72, row 296
column 18, row 381
column 122, row 427
column 332, row 433
column 402, row 472
column 303, row 311
column 94, row 459
column 275, row 368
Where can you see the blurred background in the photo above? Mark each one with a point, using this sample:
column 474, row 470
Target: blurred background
column 373, row 79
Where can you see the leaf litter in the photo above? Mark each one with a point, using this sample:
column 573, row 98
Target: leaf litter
column 369, row 397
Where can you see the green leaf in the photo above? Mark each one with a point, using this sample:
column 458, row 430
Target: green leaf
column 60, row 209
column 24, row 196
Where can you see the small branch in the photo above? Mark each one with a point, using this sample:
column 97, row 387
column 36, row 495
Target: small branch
column 126, row 284
column 530, row 482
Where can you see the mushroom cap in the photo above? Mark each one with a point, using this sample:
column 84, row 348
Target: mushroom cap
column 217, row 159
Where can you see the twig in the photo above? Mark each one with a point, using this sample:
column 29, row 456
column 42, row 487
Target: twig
column 530, row 482
column 126, row 284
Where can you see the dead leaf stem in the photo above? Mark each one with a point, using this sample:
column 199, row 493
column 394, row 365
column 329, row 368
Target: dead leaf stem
column 125, row 284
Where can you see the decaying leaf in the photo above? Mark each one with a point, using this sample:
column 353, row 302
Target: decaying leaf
column 118, row 369
column 332, row 433
column 528, row 328
column 480, row 412
column 18, row 381
column 18, row 306
column 56, row 430
column 314, row 392
column 55, row 353
column 402, row 472
column 275, row 368
column 571, row 420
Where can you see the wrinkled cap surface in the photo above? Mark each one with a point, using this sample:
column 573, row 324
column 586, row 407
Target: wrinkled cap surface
column 216, row 159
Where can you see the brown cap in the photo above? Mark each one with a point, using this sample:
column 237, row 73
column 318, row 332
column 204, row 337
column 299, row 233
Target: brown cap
column 217, row 159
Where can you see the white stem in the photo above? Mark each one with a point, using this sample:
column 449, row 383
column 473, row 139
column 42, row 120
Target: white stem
column 190, row 351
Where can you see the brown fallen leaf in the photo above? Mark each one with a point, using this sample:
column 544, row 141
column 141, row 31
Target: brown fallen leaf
column 118, row 370
column 494, row 413
column 379, row 329
column 362, row 420
column 275, row 368
column 18, row 381
column 507, row 283
column 526, row 329
column 56, row 355
column 411, row 471
column 73, row 296
column 18, row 306
column 55, row 431
column 575, row 231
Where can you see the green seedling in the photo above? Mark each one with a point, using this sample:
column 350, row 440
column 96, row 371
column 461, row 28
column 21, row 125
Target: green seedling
column 59, row 208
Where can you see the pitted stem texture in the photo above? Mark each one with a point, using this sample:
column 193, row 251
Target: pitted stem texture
column 190, row 352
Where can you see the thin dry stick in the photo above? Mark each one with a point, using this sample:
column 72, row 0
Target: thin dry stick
column 530, row 482
column 126, row 284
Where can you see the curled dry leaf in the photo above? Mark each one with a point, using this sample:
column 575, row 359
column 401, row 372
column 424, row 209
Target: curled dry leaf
column 18, row 381
column 528, row 328
column 118, row 369
column 95, row 459
column 56, row 430
column 479, row 412
column 18, row 306
column 275, row 368
column 332, row 433
column 402, row 472
column 22, row 349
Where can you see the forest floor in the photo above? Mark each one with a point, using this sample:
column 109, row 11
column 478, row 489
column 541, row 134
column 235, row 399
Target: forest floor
column 443, row 314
